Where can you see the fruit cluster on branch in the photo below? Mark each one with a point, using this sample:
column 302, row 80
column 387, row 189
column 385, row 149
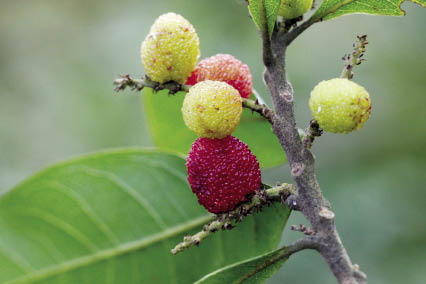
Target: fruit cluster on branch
column 222, row 171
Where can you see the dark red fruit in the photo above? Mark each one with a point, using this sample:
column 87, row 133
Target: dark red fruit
column 222, row 173
column 225, row 68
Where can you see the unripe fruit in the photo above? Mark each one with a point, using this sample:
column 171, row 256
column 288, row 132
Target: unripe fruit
column 340, row 105
column 225, row 68
column 212, row 109
column 222, row 173
column 171, row 49
column 291, row 9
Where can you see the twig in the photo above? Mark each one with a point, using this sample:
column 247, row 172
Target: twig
column 355, row 58
column 125, row 81
column 299, row 245
column 287, row 38
column 305, row 243
column 261, row 109
column 286, row 25
column 226, row 221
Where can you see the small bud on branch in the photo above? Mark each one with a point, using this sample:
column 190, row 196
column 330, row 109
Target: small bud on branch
column 303, row 229
column 355, row 58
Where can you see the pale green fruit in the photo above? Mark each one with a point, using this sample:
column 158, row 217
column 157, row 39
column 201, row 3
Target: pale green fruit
column 340, row 105
column 171, row 49
column 291, row 9
column 212, row 109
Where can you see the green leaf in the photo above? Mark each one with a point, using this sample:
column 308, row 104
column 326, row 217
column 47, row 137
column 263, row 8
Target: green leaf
column 334, row 8
column 169, row 132
column 252, row 271
column 113, row 217
column 264, row 13
column 420, row 2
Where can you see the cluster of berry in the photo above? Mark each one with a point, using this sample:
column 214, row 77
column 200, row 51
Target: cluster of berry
column 222, row 171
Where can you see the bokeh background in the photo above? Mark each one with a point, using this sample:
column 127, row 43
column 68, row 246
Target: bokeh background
column 58, row 60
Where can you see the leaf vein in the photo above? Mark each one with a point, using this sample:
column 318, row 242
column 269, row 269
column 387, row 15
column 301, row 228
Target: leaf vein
column 101, row 255
column 128, row 190
column 84, row 206
column 17, row 259
column 58, row 223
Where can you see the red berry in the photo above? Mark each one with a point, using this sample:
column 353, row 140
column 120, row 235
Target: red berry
column 225, row 68
column 222, row 172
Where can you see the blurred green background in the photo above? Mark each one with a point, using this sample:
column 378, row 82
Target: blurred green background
column 58, row 60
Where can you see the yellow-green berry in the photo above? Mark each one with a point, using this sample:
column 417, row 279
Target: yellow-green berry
column 212, row 109
column 340, row 105
column 291, row 9
column 171, row 49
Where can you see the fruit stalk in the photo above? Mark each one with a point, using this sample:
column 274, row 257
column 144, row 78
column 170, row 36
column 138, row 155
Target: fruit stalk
column 310, row 199
column 225, row 221
column 261, row 109
column 126, row 81
column 311, row 132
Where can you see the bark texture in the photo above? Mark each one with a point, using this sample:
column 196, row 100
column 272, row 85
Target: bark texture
column 311, row 201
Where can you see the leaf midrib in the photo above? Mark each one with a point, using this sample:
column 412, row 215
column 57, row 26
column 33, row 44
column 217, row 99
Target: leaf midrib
column 109, row 253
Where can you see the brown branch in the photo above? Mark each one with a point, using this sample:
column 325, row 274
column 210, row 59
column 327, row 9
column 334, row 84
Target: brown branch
column 302, row 163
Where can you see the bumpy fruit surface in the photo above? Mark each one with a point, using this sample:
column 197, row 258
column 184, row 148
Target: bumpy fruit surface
column 340, row 105
column 225, row 68
column 222, row 173
column 212, row 109
column 171, row 49
column 291, row 9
